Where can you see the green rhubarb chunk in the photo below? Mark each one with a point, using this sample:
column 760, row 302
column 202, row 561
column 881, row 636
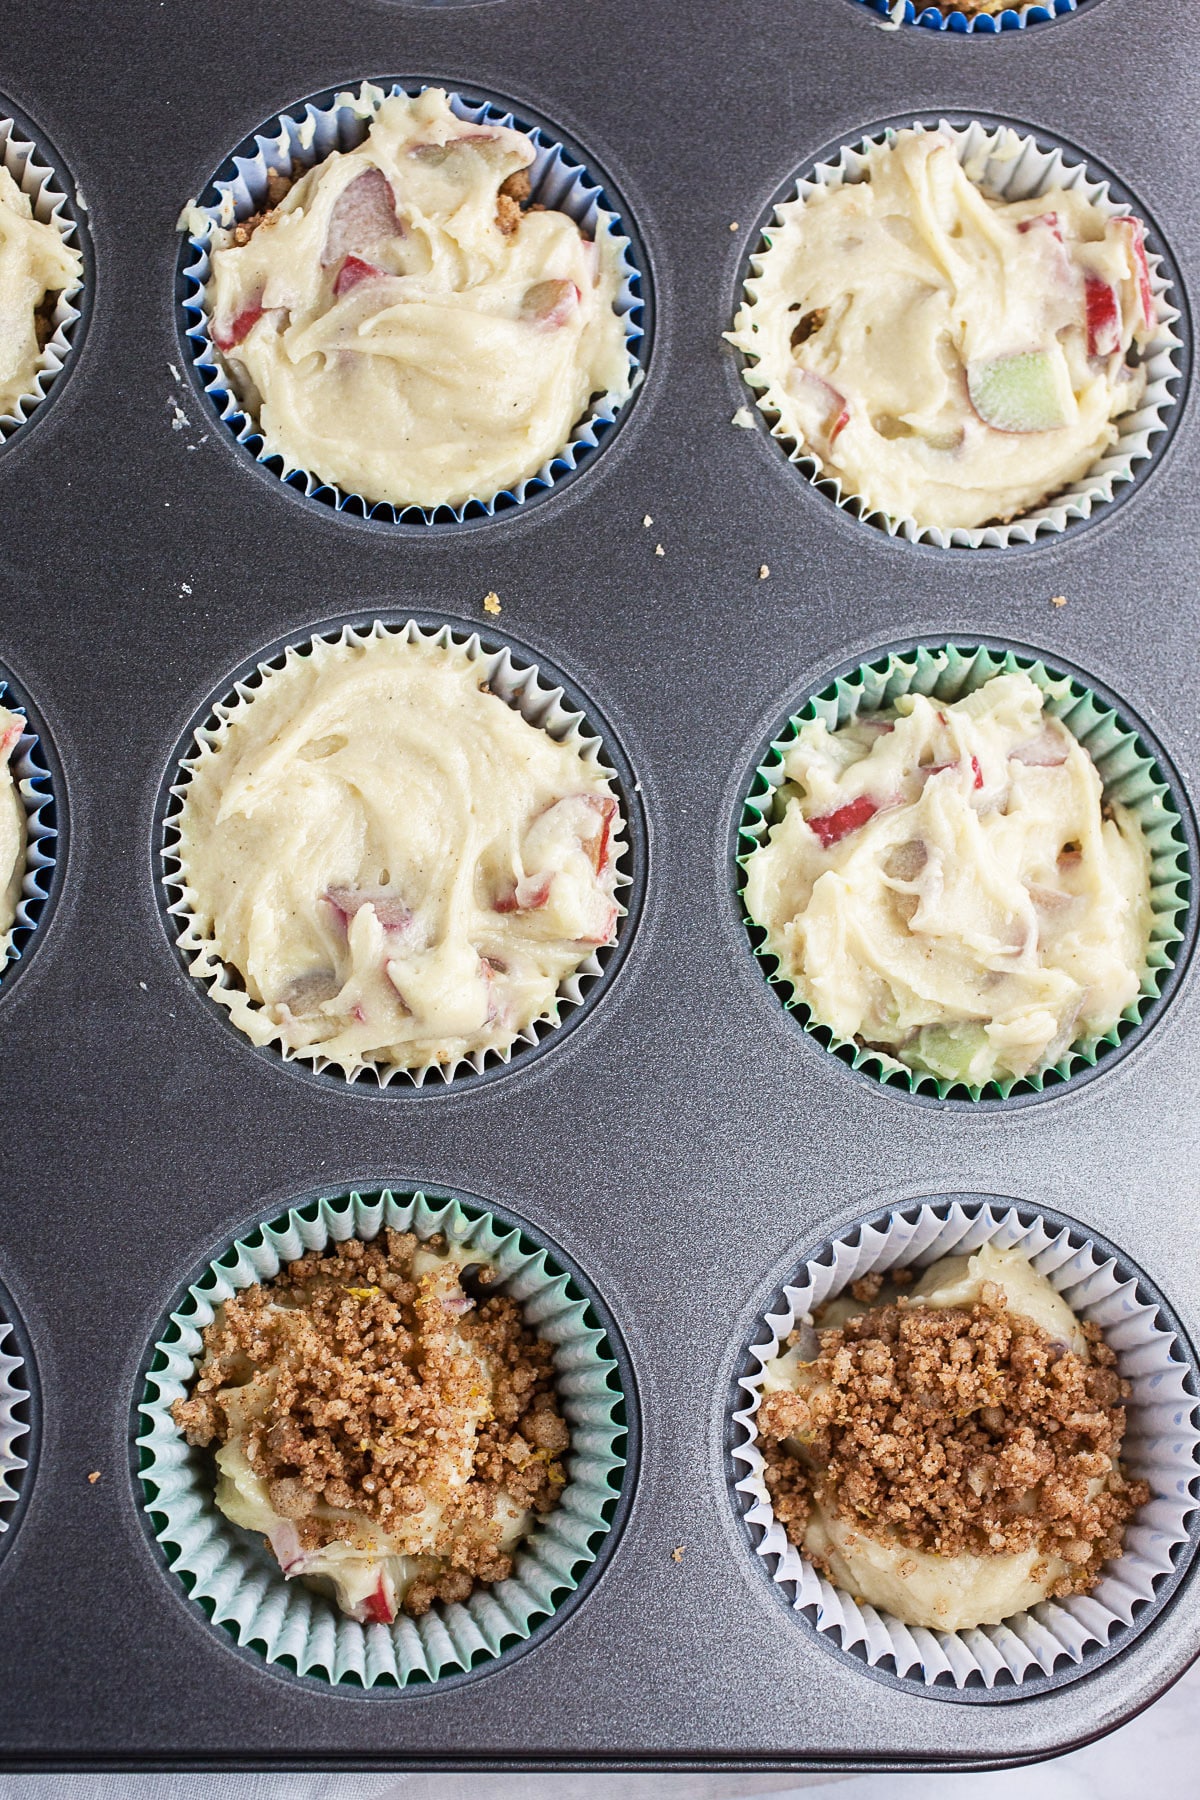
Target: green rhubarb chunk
column 1027, row 392
column 946, row 1050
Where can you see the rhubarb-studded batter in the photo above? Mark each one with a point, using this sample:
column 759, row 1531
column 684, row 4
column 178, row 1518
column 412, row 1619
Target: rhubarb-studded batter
column 400, row 868
column 400, row 325
column 949, row 1451
column 951, row 357
column 392, row 1433
column 36, row 263
column 12, row 825
column 948, row 883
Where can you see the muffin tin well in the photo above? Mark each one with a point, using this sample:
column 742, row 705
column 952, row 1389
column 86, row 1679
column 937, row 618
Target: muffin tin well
column 679, row 1135
column 563, row 176
column 20, row 1418
column 232, row 1579
column 1044, row 160
column 1058, row 1641
column 40, row 788
column 39, row 171
column 543, row 697
column 1135, row 771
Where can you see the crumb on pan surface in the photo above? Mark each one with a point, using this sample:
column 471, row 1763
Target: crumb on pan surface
column 392, row 1434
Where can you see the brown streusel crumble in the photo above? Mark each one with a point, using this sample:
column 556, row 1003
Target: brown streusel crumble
column 957, row 1430
column 372, row 1403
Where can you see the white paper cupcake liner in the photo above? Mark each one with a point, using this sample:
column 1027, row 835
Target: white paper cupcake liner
column 521, row 686
column 340, row 121
column 231, row 1574
column 14, row 1394
column 1059, row 1639
column 1011, row 165
column 43, row 187
column 894, row 14
column 36, row 794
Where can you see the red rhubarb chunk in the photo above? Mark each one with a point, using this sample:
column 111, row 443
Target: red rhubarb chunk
column 527, row 896
column 832, row 827
column 363, row 215
column 1103, row 317
column 1048, row 220
column 598, row 846
column 241, row 326
column 352, row 271
column 978, row 771
column 549, row 304
column 378, row 1607
column 11, row 733
column 1137, row 246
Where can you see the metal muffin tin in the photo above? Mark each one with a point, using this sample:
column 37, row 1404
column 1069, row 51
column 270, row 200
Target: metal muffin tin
column 684, row 1143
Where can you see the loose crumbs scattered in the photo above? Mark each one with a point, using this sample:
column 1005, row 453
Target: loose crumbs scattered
column 369, row 1396
column 955, row 1430
column 491, row 602
column 677, row 1553
column 763, row 571
column 1058, row 599
column 659, row 551
column 94, row 1477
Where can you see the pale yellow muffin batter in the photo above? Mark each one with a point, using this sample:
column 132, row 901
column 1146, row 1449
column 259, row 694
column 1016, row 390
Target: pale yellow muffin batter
column 948, row 884
column 400, row 868
column 35, row 260
column 951, row 357
column 399, row 326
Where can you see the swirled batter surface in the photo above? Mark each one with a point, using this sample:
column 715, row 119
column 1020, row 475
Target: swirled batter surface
column 400, row 326
column 949, row 1451
column 952, row 357
column 12, row 823
column 949, row 884
column 35, row 261
column 399, row 866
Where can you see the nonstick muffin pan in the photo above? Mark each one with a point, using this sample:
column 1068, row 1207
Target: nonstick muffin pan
column 683, row 1143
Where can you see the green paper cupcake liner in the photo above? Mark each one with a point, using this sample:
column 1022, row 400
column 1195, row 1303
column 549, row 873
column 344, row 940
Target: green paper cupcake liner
column 1131, row 776
column 231, row 1574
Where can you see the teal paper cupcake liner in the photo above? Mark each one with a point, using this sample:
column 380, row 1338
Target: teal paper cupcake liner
column 230, row 1573
column 1131, row 775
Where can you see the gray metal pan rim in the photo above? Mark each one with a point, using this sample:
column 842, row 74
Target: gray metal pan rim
column 768, row 1297
column 636, row 860
column 528, row 118
column 28, row 939
column 85, row 299
column 736, row 362
column 416, row 1692
column 1135, row 1036
column 19, row 1343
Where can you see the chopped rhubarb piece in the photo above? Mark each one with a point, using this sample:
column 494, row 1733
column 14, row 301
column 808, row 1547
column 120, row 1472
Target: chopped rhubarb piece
column 354, row 270
column 530, row 893
column 978, row 772
column 363, row 215
column 1047, row 220
column 597, row 847
column 1103, row 317
column 821, row 410
column 549, row 304
column 1030, row 391
column 602, row 930
column 832, row 827
column 240, row 327
column 1141, row 268
column 9, row 737
column 378, row 1607
column 1046, row 751
column 389, row 909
